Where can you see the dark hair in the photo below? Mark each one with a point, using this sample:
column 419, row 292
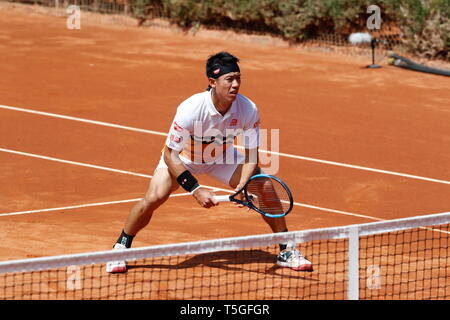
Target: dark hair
column 221, row 59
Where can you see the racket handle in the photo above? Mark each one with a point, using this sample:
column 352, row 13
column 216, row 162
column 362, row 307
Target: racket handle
column 222, row 198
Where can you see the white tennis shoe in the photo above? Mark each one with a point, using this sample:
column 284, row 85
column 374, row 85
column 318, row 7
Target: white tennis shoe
column 117, row 266
column 293, row 259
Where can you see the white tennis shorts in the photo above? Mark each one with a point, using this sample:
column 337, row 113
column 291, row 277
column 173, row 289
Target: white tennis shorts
column 222, row 172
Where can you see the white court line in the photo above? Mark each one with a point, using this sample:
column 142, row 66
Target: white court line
column 144, row 176
column 100, row 123
column 339, row 164
column 81, row 164
column 186, row 194
column 333, row 163
column 82, row 206
column 338, row 211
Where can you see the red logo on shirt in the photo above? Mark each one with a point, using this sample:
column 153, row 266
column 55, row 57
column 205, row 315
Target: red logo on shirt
column 176, row 139
column 177, row 127
column 256, row 124
column 233, row 122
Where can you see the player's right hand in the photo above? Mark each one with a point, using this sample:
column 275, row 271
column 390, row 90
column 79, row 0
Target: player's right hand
column 241, row 197
column 205, row 197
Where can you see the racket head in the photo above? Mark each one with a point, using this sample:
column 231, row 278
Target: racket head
column 268, row 195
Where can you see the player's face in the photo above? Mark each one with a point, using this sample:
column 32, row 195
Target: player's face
column 227, row 86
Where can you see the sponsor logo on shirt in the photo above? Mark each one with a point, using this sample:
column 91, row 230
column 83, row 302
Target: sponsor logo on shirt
column 176, row 139
column 177, row 127
column 219, row 139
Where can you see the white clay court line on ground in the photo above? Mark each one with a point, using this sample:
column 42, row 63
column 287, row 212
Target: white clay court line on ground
column 333, row 163
column 143, row 176
column 87, row 205
column 186, row 194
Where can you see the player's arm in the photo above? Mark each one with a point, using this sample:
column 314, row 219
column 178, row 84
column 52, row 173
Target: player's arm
column 250, row 142
column 249, row 166
column 187, row 181
column 251, row 146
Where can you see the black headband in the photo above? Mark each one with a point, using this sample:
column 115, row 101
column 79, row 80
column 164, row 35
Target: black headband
column 217, row 70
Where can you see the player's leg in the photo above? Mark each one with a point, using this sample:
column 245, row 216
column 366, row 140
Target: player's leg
column 275, row 224
column 161, row 186
column 289, row 256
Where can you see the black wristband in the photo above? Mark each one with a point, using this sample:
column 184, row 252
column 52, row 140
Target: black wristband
column 187, row 181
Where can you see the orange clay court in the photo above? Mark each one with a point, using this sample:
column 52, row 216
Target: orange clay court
column 383, row 135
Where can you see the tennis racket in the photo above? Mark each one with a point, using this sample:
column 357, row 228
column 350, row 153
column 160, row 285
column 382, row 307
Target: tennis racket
column 265, row 194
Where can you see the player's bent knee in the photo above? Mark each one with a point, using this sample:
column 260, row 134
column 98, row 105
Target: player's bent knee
column 152, row 201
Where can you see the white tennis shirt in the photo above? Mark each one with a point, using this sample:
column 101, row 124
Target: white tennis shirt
column 202, row 134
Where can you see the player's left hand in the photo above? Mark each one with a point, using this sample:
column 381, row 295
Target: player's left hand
column 205, row 197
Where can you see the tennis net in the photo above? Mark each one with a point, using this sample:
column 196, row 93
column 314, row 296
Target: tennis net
column 396, row 259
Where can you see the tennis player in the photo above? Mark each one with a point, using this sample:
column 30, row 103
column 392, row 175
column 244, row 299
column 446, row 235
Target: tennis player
column 200, row 141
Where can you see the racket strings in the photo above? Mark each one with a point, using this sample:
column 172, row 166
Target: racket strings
column 268, row 195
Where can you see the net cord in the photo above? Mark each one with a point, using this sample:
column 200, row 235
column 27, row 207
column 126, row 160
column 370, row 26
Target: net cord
column 225, row 244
